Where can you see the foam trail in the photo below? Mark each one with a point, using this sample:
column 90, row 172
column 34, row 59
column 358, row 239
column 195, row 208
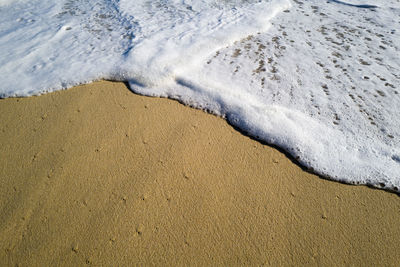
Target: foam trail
column 45, row 43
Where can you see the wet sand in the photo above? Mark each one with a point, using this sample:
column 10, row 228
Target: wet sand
column 98, row 175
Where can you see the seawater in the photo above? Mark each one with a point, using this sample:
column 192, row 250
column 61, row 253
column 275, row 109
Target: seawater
column 320, row 79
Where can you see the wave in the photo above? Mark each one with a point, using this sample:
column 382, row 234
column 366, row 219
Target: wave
column 319, row 80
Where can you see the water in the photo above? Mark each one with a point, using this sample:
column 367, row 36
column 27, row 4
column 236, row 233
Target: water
column 320, row 79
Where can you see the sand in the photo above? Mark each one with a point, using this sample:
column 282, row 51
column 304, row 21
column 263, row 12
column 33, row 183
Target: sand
column 98, row 175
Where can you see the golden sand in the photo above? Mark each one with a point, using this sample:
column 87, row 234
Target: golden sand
column 98, row 175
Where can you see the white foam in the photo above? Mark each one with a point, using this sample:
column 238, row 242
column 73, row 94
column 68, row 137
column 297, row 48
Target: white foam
column 321, row 81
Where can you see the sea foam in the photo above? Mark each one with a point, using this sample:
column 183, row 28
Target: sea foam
column 318, row 79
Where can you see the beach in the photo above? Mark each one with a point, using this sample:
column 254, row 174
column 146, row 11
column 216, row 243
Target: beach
column 98, row 175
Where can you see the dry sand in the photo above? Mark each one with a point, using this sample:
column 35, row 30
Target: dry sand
column 98, row 175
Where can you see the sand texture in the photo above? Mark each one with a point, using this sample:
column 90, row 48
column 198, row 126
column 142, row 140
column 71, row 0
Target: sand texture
column 98, row 175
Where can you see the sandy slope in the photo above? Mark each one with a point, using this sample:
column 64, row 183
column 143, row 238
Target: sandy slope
column 97, row 175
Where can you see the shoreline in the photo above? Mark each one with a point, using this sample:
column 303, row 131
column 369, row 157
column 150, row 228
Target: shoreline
column 99, row 175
